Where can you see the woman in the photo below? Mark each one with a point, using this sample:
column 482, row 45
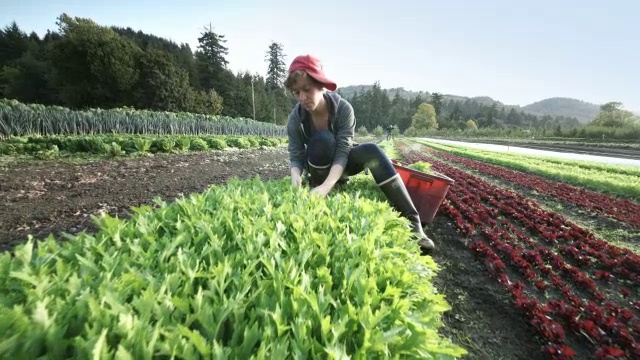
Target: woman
column 320, row 130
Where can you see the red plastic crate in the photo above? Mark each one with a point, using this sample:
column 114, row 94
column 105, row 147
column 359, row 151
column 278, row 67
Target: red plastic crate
column 427, row 190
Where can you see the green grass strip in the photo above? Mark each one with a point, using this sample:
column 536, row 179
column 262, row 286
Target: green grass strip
column 389, row 149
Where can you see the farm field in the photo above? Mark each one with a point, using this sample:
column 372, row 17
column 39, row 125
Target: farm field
column 614, row 189
column 148, row 208
column 52, row 196
column 576, row 289
column 618, row 180
column 177, row 280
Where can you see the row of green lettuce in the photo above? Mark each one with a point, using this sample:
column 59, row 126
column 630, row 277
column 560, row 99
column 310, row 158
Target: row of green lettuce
column 18, row 119
column 116, row 144
column 618, row 180
column 249, row 270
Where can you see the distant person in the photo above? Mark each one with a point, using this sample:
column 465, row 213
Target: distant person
column 320, row 129
column 389, row 130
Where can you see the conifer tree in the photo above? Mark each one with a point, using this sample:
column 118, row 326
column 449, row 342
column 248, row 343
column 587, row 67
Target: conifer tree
column 276, row 71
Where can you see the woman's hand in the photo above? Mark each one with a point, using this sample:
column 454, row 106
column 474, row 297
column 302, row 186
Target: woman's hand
column 296, row 177
column 334, row 175
column 296, row 180
column 322, row 189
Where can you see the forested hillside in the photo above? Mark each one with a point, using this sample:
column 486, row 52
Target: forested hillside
column 83, row 64
column 555, row 107
column 377, row 106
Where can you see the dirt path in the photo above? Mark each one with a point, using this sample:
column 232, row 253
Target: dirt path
column 52, row 197
column 482, row 319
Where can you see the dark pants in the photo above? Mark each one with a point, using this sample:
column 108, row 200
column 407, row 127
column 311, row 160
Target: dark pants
column 320, row 154
column 321, row 151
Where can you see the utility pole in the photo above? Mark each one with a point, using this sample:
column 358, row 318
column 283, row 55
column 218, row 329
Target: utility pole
column 253, row 99
column 275, row 105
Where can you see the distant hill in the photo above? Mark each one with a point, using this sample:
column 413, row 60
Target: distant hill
column 557, row 106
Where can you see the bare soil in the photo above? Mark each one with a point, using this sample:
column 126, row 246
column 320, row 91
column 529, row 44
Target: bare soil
column 43, row 197
column 482, row 318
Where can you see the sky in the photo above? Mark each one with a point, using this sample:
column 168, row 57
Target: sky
column 516, row 54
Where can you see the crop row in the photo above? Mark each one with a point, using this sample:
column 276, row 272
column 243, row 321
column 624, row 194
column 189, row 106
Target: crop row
column 623, row 210
column 566, row 281
column 526, row 161
column 50, row 146
column 619, row 180
column 18, row 119
column 250, row 269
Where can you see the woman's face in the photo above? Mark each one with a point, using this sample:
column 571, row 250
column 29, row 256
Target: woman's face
column 308, row 93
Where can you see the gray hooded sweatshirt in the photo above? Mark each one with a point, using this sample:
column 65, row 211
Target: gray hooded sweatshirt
column 342, row 124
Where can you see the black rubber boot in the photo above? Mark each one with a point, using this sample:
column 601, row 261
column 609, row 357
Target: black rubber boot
column 398, row 196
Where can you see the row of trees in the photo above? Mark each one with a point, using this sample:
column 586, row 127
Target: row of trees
column 421, row 116
column 612, row 122
column 83, row 64
column 375, row 106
